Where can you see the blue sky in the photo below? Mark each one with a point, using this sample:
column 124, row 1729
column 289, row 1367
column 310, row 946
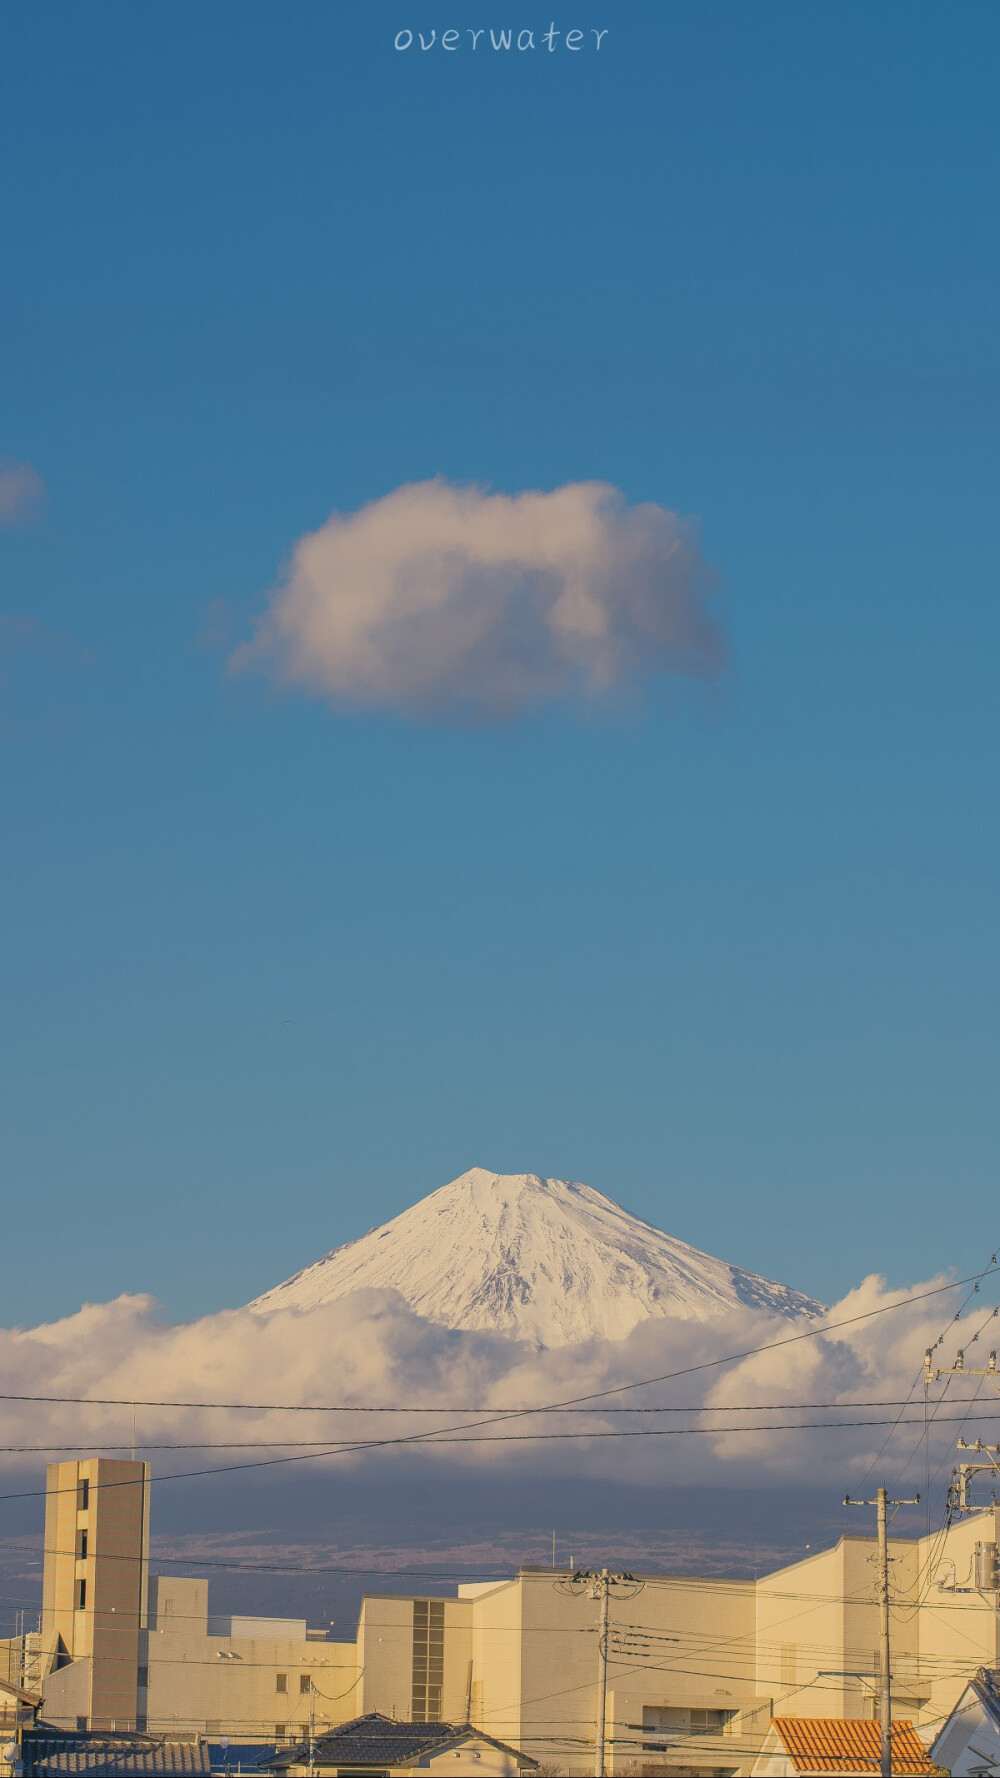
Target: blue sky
column 275, row 969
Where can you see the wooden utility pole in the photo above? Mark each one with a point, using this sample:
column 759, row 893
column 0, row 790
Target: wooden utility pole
column 882, row 1504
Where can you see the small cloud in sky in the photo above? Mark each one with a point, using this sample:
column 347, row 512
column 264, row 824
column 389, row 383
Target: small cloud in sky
column 21, row 488
column 441, row 599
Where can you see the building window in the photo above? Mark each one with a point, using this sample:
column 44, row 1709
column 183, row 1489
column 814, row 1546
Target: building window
column 81, row 1545
column 671, row 1720
column 281, row 1682
column 305, row 1682
column 280, row 1730
column 142, row 1676
column 81, row 1725
column 82, row 1495
column 81, row 1595
column 428, row 1659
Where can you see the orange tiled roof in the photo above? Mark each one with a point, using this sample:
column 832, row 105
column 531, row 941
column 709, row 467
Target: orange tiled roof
column 849, row 1744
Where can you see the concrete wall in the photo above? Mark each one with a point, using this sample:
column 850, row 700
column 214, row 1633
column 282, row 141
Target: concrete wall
column 385, row 1656
column 817, row 1626
column 673, row 1643
column 243, row 1687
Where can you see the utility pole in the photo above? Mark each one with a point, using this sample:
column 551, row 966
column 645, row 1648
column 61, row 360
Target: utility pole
column 882, row 1505
column 601, row 1730
column 312, row 1725
column 598, row 1584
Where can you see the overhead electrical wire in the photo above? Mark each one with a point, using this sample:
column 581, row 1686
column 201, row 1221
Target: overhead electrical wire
column 741, row 1407
column 456, row 1436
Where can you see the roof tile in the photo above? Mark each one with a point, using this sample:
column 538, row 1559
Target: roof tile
column 849, row 1745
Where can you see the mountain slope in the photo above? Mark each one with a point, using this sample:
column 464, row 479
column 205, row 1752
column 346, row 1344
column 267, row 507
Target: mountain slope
column 543, row 1260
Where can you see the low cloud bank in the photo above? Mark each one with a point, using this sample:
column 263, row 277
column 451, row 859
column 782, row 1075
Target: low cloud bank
column 370, row 1350
column 446, row 600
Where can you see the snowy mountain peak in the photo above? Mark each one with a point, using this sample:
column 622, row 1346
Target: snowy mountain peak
column 549, row 1261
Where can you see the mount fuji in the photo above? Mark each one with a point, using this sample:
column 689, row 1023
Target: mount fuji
column 547, row 1261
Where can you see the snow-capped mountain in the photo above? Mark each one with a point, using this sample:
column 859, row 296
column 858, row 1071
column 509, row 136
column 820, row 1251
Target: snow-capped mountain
column 543, row 1260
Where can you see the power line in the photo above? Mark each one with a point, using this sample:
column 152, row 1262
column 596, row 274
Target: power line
column 456, row 1436
column 446, row 1408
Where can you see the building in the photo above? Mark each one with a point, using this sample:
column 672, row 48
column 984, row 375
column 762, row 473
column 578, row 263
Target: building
column 697, row 1666
column 378, row 1745
column 95, row 1583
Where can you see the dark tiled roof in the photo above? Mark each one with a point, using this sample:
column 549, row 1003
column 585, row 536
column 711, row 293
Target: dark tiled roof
column 376, row 1740
column 372, row 1740
column 49, row 1753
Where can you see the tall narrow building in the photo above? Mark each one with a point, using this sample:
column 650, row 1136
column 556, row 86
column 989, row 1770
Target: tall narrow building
column 95, row 1586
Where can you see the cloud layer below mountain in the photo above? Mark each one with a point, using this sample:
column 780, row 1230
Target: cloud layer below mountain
column 448, row 600
column 371, row 1351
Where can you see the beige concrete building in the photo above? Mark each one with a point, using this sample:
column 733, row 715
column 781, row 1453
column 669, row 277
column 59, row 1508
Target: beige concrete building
column 95, row 1582
column 697, row 1667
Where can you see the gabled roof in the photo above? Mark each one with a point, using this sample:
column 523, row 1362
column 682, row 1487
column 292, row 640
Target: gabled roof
column 986, row 1686
column 976, row 1711
column 10, row 1690
column 848, row 1745
column 377, row 1740
column 55, row 1753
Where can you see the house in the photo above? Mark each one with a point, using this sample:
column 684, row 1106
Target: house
column 968, row 1742
column 53, row 1753
column 838, row 1747
column 380, row 1747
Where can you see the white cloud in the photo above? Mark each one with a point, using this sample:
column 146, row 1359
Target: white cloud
column 444, row 599
column 371, row 1349
column 20, row 490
